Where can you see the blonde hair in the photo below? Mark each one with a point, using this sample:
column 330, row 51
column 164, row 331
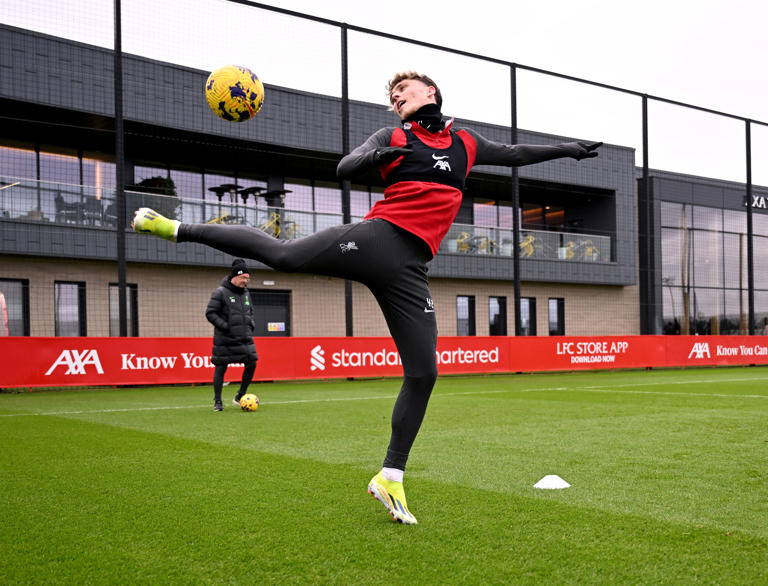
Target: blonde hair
column 417, row 76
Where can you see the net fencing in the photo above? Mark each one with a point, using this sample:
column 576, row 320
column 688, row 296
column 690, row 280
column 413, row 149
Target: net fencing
column 657, row 235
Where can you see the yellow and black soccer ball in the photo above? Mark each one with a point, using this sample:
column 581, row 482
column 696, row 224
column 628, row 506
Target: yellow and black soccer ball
column 234, row 93
column 249, row 402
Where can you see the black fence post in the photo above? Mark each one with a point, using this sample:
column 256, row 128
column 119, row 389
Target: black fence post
column 515, row 202
column 346, row 208
column 648, row 306
column 750, row 234
column 120, row 174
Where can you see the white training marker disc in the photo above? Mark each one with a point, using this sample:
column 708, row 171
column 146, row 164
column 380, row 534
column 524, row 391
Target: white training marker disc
column 551, row 482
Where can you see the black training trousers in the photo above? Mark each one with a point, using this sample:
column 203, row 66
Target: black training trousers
column 391, row 262
column 245, row 380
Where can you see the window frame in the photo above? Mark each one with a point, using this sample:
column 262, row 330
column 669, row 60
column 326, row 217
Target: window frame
column 82, row 314
column 471, row 319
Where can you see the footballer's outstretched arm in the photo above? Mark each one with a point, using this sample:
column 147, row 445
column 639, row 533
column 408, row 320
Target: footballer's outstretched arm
column 517, row 155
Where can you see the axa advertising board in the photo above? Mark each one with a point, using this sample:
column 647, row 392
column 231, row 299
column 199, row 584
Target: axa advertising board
column 49, row 361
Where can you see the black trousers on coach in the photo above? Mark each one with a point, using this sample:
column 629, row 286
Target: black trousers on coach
column 218, row 379
column 391, row 262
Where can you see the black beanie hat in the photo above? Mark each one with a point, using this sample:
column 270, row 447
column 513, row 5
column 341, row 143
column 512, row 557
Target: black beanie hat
column 238, row 268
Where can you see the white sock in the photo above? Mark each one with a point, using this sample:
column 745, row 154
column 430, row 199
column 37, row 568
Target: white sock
column 176, row 225
column 392, row 474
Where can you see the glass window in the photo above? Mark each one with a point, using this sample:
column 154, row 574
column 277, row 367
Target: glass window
column 327, row 197
column 672, row 308
column 735, row 260
column 18, row 162
column 484, row 212
column 300, row 197
column 132, row 314
column 676, row 256
column 60, row 167
column 377, row 194
column 188, row 183
column 676, row 215
column 532, row 216
column 497, row 311
column 707, row 258
column 189, row 186
column 736, row 221
column 542, row 217
column 735, row 314
column 704, row 269
column 98, row 173
column 528, row 316
column 140, row 173
column 708, row 218
column 556, row 316
column 554, row 217
column 760, row 262
column 213, row 181
column 14, row 307
column 359, row 201
column 69, row 309
column 506, row 214
column 706, row 311
column 761, row 312
column 759, row 224
column 248, row 209
column 465, row 315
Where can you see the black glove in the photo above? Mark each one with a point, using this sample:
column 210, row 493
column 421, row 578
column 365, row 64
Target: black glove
column 385, row 155
column 583, row 150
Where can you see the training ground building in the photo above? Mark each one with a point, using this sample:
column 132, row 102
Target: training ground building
column 582, row 270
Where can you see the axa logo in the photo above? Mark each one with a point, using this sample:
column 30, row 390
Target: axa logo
column 441, row 163
column 317, row 358
column 76, row 361
column 700, row 350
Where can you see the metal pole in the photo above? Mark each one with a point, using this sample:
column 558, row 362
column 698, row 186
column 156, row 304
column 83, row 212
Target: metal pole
column 345, row 185
column 120, row 174
column 750, row 235
column 515, row 202
column 647, row 265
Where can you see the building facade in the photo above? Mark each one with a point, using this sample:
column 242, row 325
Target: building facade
column 580, row 265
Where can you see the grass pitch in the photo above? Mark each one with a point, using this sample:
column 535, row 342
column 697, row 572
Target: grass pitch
column 669, row 475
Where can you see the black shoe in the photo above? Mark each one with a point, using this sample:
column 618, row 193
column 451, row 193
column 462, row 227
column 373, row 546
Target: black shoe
column 236, row 400
column 217, row 406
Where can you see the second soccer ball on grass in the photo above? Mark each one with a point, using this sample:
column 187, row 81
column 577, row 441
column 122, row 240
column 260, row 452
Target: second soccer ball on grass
column 249, row 402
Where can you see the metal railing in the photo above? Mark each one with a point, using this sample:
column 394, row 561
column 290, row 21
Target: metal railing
column 533, row 244
column 80, row 205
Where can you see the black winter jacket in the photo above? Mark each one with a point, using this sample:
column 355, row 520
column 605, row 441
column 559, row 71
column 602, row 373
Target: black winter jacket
column 231, row 313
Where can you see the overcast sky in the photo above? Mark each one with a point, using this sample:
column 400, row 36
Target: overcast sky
column 707, row 52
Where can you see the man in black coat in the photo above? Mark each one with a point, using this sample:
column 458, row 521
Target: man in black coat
column 231, row 313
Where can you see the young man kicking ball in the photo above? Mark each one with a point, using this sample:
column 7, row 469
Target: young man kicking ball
column 424, row 164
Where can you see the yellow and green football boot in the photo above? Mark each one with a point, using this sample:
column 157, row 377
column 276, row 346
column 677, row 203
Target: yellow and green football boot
column 392, row 496
column 148, row 221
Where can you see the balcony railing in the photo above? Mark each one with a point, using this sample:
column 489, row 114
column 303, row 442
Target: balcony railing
column 59, row 203
column 534, row 244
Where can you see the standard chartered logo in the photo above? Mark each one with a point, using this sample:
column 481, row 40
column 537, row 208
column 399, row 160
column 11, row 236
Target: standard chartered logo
column 344, row 358
column 317, row 358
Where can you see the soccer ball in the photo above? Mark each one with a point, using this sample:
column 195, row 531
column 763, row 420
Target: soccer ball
column 249, row 402
column 234, row 93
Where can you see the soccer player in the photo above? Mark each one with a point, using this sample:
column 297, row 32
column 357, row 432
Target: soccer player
column 424, row 164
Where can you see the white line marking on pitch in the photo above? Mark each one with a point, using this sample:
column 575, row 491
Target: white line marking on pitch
column 591, row 389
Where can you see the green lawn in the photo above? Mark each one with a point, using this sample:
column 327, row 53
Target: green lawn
column 669, row 475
